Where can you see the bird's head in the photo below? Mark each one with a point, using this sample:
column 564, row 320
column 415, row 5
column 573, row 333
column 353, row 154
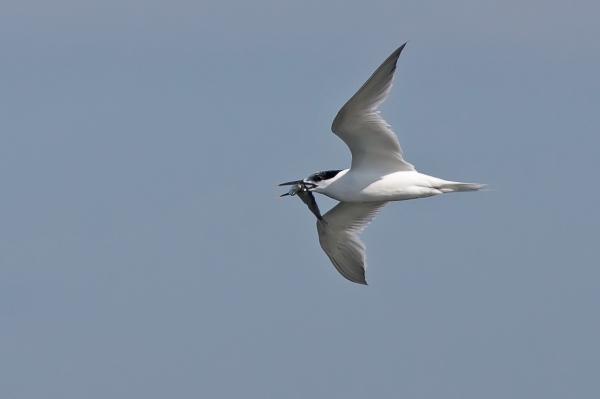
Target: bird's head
column 314, row 182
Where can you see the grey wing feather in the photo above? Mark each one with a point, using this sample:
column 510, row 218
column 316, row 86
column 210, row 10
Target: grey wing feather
column 339, row 237
column 371, row 141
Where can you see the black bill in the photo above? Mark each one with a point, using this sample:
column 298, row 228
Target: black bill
column 290, row 183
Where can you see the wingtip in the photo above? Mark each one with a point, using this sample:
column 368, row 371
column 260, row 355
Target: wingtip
column 399, row 49
column 396, row 54
column 357, row 280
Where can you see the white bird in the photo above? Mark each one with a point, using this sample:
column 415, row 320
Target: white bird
column 378, row 174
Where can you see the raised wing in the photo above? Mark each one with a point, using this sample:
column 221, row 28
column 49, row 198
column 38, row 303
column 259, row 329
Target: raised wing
column 371, row 141
column 339, row 237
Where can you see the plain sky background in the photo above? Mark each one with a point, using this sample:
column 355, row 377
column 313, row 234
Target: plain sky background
column 143, row 253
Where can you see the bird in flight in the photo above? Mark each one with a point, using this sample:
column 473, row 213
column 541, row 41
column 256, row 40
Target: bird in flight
column 378, row 174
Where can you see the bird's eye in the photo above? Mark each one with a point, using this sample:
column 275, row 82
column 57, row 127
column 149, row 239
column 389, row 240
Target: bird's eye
column 316, row 177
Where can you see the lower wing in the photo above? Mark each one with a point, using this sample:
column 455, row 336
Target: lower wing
column 339, row 237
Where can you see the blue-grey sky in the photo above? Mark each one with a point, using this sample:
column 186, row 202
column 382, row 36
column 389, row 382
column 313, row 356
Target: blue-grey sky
column 143, row 253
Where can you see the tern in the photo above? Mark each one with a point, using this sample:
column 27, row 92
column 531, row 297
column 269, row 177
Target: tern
column 378, row 174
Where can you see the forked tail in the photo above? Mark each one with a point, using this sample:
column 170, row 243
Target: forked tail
column 450, row 187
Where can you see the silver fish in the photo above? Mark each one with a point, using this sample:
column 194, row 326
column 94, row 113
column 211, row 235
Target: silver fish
column 307, row 197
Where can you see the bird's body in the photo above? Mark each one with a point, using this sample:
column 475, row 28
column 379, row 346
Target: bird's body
column 378, row 174
column 365, row 186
